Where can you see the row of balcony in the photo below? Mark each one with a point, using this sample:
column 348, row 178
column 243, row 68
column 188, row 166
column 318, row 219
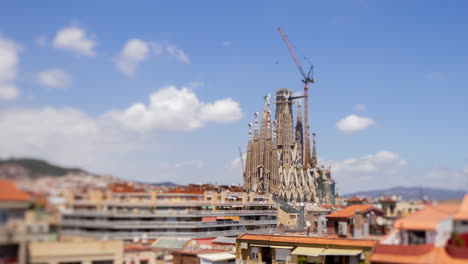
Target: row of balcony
column 153, row 235
column 165, row 213
column 161, row 224
column 181, row 203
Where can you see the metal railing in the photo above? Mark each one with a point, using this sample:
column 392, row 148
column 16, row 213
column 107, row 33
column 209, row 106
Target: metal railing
column 156, row 213
column 152, row 235
column 240, row 261
column 161, row 224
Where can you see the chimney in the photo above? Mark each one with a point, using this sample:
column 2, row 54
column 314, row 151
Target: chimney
column 358, row 224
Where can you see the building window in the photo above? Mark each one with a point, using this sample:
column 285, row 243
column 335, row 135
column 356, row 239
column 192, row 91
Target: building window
column 281, row 254
column 254, row 253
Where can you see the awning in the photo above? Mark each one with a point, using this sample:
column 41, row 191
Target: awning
column 341, row 252
column 284, row 247
column 307, row 251
column 217, row 256
column 233, row 218
column 209, row 219
column 257, row 245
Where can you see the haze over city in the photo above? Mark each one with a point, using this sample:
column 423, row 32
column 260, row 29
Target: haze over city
column 153, row 92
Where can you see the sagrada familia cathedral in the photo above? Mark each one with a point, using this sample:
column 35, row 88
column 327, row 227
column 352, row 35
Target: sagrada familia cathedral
column 278, row 156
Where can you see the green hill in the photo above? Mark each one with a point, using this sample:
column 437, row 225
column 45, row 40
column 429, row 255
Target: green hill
column 37, row 168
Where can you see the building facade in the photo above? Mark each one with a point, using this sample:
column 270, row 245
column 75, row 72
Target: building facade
column 278, row 249
column 134, row 214
column 278, row 156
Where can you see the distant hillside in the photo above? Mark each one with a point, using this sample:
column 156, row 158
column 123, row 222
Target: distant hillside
column 410, row 193
column 20, row 168
column 167, row 184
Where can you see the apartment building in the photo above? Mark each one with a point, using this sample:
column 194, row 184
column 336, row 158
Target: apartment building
column 76, row 252
column 127, row 213
column 18, row 225
column 282, row 249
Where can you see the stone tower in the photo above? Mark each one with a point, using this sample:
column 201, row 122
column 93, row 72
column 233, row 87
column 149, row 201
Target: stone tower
column 280, row 162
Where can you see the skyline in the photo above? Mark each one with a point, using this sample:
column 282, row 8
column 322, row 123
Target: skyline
column 165, row 91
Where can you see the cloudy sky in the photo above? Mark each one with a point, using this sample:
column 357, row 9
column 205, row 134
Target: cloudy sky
column 163, row 91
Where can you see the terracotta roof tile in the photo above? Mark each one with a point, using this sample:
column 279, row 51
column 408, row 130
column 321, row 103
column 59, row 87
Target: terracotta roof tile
column 435, row 255
column 137, row 247
column 427, row 218
column 462, row 212
column 351, row 210
column 310, row 240
column 354, row 199
column 9, row 192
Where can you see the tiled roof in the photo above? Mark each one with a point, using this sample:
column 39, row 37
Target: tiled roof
column 204, row 241
column 354, row 199
column 170, row 243
column 405, row 254
column 9, row 192
column 136, row 247
column 351, row 210
column 462, row 212
column 427, row 218
column 309, row 240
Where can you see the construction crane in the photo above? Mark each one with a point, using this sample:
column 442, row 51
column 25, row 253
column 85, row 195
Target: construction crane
column 307, row 79
column 241, row 160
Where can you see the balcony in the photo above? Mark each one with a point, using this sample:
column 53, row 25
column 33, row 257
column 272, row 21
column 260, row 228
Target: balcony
column 160, row 224
column 153, row 235
column 164, row 213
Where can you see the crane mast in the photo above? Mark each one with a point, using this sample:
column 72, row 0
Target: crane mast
column 306, row 82
column 241, row 160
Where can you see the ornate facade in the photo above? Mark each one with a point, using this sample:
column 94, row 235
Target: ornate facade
column 278, row 156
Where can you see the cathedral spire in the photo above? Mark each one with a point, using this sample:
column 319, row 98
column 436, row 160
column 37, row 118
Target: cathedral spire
column 256, row 127
column 314, row 152
column 299, row 134
column 307, row 148
column 265, row 129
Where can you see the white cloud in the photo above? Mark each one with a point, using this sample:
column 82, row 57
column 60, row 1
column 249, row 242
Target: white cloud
column 441, row 177
column 222, row 111
column 8, row 92
column 134, row 52
column 9, row 60
column 360, row 107
column 237, row 161
column 74, row 38
column 354, row 123
column 55, row 78
column 379, row 170
column 64, row 135
column 176, row 110
column 227, row 43
column 382, row 160
column 178, row 53
column 197, row 164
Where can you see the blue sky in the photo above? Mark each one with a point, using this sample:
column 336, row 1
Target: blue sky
column 76, row 81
